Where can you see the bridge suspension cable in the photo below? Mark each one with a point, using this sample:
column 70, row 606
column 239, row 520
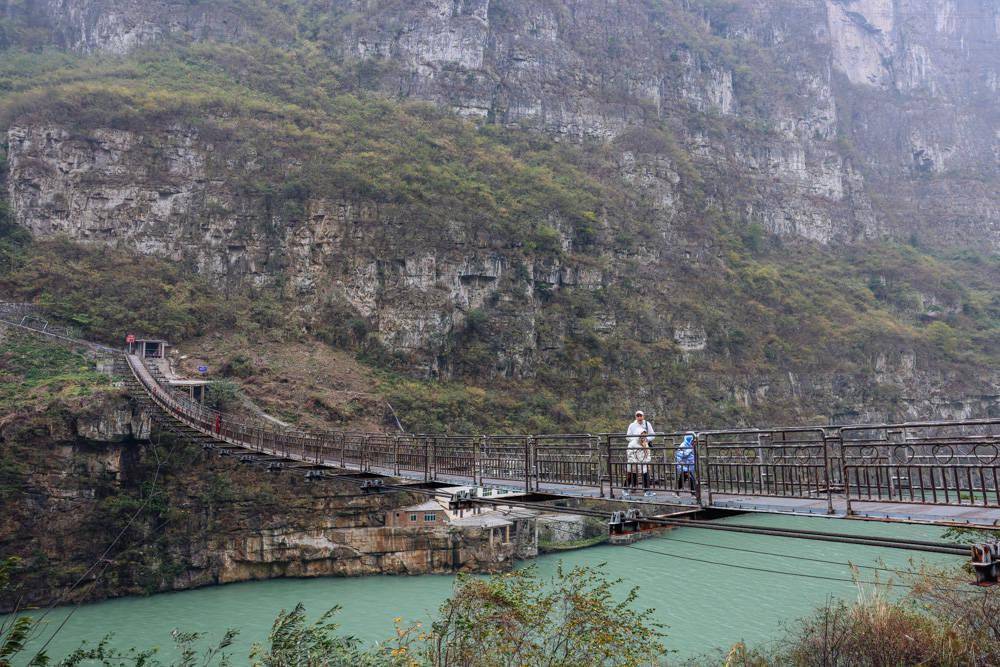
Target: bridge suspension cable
column 895, row 571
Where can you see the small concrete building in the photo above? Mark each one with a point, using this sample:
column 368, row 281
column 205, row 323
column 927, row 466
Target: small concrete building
column 430, row 513
column 499, row 527
column 513, row 527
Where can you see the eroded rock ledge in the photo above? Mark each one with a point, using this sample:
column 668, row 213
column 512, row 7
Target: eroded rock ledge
column 71, row 477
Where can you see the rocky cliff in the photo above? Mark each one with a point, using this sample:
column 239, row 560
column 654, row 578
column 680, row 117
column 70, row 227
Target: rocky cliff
column 825, row 103
column 73, row 478
column 812, row 136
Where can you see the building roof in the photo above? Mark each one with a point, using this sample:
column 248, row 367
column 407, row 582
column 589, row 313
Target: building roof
column 428, row 506
column 480, row 490
column 485, row 520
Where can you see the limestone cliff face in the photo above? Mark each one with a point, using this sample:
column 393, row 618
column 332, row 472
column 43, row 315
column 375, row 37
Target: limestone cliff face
column 167, row 193
column 72, row 478
column 115, row 26
column 828, row 121
column 825, row 101
column 861, row 95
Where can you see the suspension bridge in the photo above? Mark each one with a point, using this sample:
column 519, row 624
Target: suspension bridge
column 942, row 472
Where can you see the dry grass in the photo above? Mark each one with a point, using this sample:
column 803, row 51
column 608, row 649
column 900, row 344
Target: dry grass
column 941, row 621
column 307, row 384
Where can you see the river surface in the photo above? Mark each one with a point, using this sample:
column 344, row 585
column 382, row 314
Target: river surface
column 703, row 605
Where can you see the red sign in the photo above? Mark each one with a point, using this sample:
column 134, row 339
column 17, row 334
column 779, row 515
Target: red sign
column 130, row 338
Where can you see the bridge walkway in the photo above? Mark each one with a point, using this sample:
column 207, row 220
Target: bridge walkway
column 937, row 472
column 324, row 451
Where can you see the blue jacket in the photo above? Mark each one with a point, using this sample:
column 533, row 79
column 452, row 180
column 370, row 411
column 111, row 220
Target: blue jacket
column 685, row 455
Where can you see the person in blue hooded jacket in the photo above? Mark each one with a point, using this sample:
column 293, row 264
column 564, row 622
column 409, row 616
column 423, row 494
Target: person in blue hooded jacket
column 684, row 457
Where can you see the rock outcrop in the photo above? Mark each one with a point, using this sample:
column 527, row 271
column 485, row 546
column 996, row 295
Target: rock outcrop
column 825, row 101
column 74, row 477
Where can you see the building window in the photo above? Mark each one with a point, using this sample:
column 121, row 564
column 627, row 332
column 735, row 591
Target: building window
column 431, row 516
column 413, row 518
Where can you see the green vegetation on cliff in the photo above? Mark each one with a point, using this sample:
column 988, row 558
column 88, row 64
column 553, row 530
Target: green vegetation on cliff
column 34, row 372
column 703, row 330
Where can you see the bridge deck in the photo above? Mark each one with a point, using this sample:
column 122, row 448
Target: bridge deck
column 897, row 512
column 938, row 472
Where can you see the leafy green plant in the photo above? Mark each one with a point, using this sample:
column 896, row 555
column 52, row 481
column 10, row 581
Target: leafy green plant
column 572, row 620
column 223, row 395
column 185, row 643
column 295, row 641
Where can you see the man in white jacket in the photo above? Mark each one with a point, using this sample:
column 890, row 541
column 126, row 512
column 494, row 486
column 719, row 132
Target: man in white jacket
column 641, row 436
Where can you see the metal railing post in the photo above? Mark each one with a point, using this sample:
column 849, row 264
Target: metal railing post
column 432, row 458
column 427, row 459
column 395, row 454
column 697, row 471
column 611, row 477
column 594, row 445
column 826, row 471
column 708, row 468
column 533, row 459
column 527, row 464
column 844, row 472
column 536, row 468
column 477, row 452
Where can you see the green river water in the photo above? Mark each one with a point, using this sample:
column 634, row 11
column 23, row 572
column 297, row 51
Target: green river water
column 705, row 606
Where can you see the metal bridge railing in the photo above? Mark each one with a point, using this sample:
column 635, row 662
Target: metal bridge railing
column 937, row 463
column 947, row 463
column 787, row 463
column 569, row 460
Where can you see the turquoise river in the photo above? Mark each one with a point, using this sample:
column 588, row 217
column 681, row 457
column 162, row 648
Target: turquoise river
column 703, row 605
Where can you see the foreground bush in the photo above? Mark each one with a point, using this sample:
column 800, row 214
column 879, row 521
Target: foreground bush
column 572, row 620
column 515, row 619
column 941, row 621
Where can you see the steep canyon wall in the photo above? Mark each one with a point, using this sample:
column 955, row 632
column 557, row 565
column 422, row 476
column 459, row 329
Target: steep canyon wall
column 71, row 479
column 832, row 122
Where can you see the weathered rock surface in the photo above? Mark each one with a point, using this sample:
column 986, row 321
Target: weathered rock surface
column 119, row 26
column 833, row 121
column 73, row 477
column 831, row 100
